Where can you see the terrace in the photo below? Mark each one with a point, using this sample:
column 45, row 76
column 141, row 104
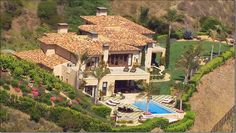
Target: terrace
column 133, row 117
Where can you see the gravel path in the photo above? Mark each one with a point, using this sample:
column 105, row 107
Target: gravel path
column 214, row 98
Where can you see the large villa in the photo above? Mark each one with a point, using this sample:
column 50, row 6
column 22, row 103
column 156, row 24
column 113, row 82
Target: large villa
column 117, row 41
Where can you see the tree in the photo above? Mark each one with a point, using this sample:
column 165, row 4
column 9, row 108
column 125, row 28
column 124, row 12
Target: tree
column 212, row 34
column 221, row 35
column 179, row 89
column 189, row 60
column 143, row 18
column 208, row 23
column 99, row 72
column 170, row 17
column 82, row 60
column 147, row 88
column 47, row 12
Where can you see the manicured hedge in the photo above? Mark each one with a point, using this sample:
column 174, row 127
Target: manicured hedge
column 102, row 111
column 182, row 125
column 55, row 114
column 214, row 63
column 147, row 126
column 189, row 92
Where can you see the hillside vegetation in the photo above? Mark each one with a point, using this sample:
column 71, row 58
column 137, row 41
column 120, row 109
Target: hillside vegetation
column 23, row 21
column 192, row 10
column 18, row 121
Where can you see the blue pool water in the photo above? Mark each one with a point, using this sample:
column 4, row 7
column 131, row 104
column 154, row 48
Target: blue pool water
column 154, row 108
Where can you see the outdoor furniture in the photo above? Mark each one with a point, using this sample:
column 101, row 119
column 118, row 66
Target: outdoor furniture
column 145, row 117
column 126, row 69
column 110, row 103
column 129, row 110
column 113, row 101
column 133, row 69
column 167, row 100
column 125, row 109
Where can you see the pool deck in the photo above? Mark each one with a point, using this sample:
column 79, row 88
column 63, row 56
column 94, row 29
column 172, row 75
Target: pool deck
column 134, row 116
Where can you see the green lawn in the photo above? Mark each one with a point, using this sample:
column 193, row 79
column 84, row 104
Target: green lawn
column 177, row 48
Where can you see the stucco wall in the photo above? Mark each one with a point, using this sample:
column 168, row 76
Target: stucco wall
column 48, row 49
column 148, row 56
column 111, row 78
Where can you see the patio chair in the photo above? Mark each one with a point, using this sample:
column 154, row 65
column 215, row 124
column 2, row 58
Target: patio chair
column 126, row 69
column 113, row 101
column 129, row 110
column 110, row 103
column 133, row 69
column 167, row 100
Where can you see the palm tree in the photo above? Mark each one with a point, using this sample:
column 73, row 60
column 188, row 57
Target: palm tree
column 99, row 72
column 179, row 89
column 189, row 60
column 222, row 35
column 170, row 17
column 147, row 88
column 82, row 60
column 212, row 34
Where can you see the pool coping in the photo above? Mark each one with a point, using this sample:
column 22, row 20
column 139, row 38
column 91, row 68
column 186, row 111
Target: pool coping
column 159, row 104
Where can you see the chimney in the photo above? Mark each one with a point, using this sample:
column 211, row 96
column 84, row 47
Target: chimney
column 101, row 11
column 93, row 35
column 62, row 28
column 105, row 52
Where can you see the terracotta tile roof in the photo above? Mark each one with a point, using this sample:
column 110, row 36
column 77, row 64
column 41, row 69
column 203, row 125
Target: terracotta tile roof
column 81, row 43
column 75, row 43
column 122, row 35
column 38, row 56
column 117, row 21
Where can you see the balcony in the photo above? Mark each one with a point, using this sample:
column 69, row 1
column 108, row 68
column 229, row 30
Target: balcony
column 120, row 71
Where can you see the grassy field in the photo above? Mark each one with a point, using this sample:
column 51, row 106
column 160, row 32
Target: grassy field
column 177, row 48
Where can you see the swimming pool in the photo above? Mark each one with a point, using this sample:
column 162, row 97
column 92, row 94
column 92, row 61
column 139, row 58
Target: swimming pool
column 154, row 108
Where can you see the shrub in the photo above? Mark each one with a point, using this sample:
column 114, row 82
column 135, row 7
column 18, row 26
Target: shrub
column 18, row 71
column 2, row 81
column 201, row 33
column 53, row 114
column 102, row 111
column 47, row 12
column 14, row 83
column 147, row 126
column 23, row 88
column 6, row 87
column 188, row 35
column 4, row 115
column 208, row 23
column 214, row 63
column 161, row 38
column 182, row 125
column 227, row 54
column 178, row 34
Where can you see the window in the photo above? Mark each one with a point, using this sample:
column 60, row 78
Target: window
column 89, row 90
column 118, row 60
column 104, row 87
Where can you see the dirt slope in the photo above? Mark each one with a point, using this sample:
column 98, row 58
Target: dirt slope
column 192, row 9
column 20, row 122
column 214, row 98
